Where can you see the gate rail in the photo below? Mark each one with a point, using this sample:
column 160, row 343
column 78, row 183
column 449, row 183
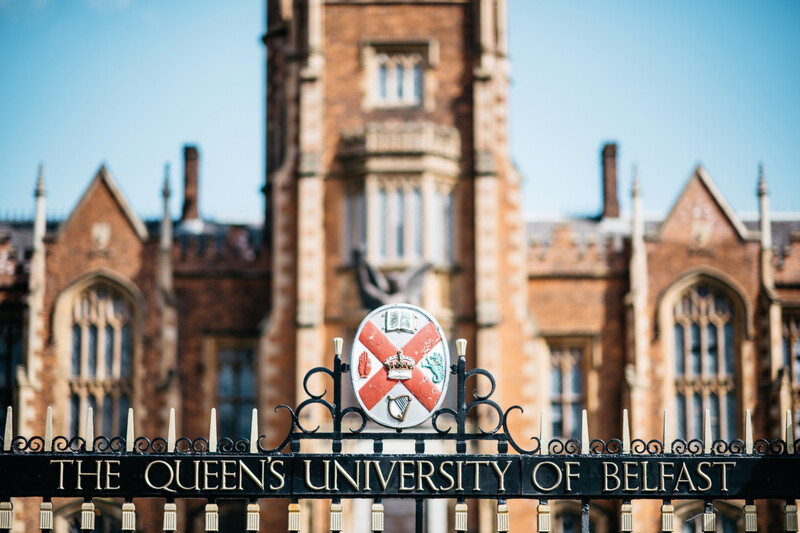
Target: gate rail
column 579, row 469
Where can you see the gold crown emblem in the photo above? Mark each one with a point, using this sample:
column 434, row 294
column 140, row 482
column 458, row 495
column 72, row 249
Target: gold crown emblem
column 399, row 366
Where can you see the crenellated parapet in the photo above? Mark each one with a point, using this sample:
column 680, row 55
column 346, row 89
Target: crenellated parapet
column 577, row 247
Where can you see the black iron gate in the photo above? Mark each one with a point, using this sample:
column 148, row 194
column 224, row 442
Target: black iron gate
column 544, row 469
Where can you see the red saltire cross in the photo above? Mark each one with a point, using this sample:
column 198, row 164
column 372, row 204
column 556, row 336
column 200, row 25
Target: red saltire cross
column 381, row 347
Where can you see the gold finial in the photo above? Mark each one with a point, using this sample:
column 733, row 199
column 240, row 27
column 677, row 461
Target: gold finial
column 461, row 347
column 788, row 432
column 707, row 431
column 626, row 433
column 89, row 433
column 48, row 430
column 8, row 436
column 254, row 432
column 584, row 433
column 667, row 436
column 171, row 431
column 212, row 431
column 338, row 343
column 748, row 433
column 544, row 434
column 130, row 436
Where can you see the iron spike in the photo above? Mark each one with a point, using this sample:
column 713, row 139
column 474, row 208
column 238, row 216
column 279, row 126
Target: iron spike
column 706, row 431
column 584, row 433
column 461, row 347
column 544, row 438
column 748, row 433
column 212, row 431
column 338, row 343
column 48, row 430
column 667, row 437
column 254, row 432
column 89, row 433
column 9, row 434
column 171, row 431
column 130, row 435
column 788, row 433
column 626, row 433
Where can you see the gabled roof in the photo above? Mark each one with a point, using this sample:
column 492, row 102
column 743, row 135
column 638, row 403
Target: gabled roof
column 103, row 176
column 702, row 176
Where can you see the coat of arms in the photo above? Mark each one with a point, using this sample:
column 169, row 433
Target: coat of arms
column 401, row 362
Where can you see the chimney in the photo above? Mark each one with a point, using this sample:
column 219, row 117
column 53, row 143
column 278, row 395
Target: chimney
column 190, row 183
column 610, row 200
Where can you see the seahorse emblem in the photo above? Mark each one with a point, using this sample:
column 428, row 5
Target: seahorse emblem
column 435, row 363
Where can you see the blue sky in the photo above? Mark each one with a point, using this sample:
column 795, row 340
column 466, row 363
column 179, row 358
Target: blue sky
column 128, row 82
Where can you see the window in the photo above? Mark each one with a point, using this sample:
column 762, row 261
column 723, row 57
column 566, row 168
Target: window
column 689, row 517
column 705, row 363
column 101, row 348
column 398, row 79
column 10, row 357
column 566, row 390
column 791, row 348
column 236, row 392
column 407, row 221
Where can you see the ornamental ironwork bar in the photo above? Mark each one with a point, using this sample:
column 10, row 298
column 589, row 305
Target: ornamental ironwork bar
column 750, row 517
column 212, row 517
column 336, row 516
column 709, row 518
column 87, row 516
column 667, row 517
column 170, row 516
column 128, row 516
column 294, row 516
column 502, row 516
column 790, row 517
column 253, row 516
column 461, row 516
column 6, row 515
column 626, row 517
column 46, row 515
column 377, row 517
column 543, row 517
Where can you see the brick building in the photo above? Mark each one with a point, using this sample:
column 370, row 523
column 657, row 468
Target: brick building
column 386, row 133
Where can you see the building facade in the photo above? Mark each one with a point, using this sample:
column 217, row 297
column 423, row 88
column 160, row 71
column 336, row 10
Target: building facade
column 387, row 149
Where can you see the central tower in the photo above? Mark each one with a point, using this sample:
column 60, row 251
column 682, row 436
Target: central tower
column 388, row 176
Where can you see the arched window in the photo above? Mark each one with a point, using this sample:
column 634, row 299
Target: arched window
column 689, row 517
column 101, row 355
column 705, row 362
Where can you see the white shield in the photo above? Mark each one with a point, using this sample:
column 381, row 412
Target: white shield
column 400, row 365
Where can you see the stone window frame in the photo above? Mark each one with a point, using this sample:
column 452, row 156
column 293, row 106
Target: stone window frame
column 100, row 385
column 428, row 228
column 393, row 53
column 214, row 344
column 586, row 345
column 706, row 384
column 693, row 510
column 11, row 343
